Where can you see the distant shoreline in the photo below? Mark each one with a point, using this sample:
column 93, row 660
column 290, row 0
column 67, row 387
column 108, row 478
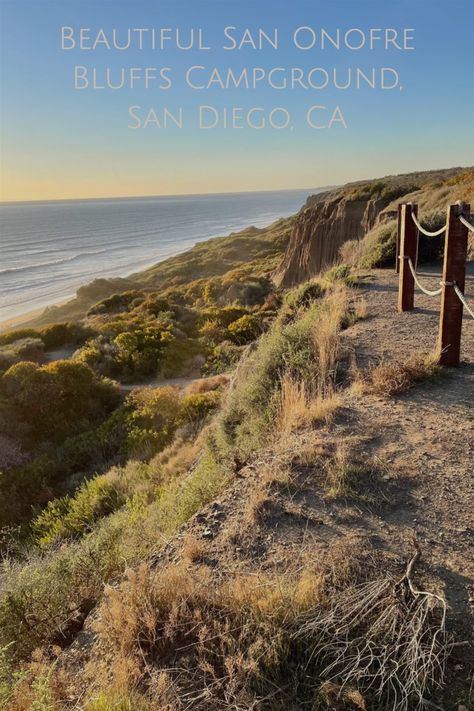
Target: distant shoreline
column 139, row 233
column 24, row 319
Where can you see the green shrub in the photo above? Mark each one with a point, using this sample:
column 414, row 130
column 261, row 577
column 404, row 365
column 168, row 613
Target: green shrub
column 117, row 303
column 71, row 516
column 431, row 249
column 340, row 272
column 119, row 700
column 46, row 600
column 378, row 247
column 249, row 410
column 181, row 356
column 139, row 351
column 245, row 329
column 304, row 294
column 212, row 331
column 55, row 401
column 153, row 420
column 223, row 358
column 224, row 316
column 182, row 500
column 198, row 406
column 12, row 336
column 26, row 349
column 62, row 334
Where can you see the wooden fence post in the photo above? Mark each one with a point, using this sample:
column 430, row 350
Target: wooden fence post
column 408, row 248
column 454, row 271
column 397, row 246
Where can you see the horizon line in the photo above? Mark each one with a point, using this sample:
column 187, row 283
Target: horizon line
column 330, row 186
column 164, row 195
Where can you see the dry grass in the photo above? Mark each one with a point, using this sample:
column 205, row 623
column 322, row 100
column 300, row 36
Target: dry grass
column 298, row 408
column 185, row 637
column 346, row 478
column 361, row 309
column 193, row 549
column 351, row 252
column 327, row 341
column 304, row 403
column 276, row 474
column 206, row 385
column 394, row 378
column 257, row 506
column 384, row 635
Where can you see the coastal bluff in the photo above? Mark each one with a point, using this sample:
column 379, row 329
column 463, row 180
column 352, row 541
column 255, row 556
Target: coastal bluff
column 348, row 214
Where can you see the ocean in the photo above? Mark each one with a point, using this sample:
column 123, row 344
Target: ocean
column 50, row 249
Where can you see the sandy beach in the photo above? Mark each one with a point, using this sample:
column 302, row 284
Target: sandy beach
column 26, row 319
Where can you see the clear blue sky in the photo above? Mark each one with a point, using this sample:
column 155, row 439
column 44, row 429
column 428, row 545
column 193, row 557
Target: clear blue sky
column 57, row 142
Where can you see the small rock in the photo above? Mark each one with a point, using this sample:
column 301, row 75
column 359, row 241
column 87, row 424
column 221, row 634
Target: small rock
column 207, row 533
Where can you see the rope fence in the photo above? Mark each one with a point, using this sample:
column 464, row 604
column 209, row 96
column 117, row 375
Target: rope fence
column 462, row 298
column 466, row 223
column 453, row 299
column 419, row 285
column 427, row 232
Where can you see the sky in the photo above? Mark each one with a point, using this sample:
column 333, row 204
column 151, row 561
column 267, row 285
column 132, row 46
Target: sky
column 60, row 143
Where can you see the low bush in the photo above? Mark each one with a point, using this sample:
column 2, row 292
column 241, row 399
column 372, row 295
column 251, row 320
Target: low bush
column 65, row 334
column 68, row 516
column 305, row 349
column 55, row 401
column 303, row 295
column 379, row 245
column 46, row 600
column 394, row 378
column 245, row 330
column 223, row 358
column 25, row 349
column 117, row 303
column 340, row 272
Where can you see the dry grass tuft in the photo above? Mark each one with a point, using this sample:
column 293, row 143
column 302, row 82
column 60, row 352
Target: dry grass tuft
column 394, row 378
column 345, row 476
column 361, row 309
column 184, row 636
column 336, row 697
column 383, row 635
column 276, row 475
column 327, row 342
column 193, row 549
column 206, row 385
column 298, row 408
column 258, row 506
column 293, row 405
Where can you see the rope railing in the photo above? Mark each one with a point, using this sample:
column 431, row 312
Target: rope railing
column 419, row 285
column 451, row 291
column 466, row 223
column 462, row 299
column 423, row 230
column 436, row 233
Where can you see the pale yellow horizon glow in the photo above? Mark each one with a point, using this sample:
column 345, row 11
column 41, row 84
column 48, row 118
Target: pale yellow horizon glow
column 50, row 175
column 143, row 181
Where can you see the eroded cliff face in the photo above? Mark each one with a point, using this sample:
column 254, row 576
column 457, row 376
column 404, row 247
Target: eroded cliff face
column 323, row 225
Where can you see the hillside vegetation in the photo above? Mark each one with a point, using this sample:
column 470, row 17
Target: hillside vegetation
column 214, row 496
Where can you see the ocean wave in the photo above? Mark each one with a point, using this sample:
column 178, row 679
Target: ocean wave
column 63, row 260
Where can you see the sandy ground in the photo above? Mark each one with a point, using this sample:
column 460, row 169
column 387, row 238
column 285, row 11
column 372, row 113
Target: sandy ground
column 26, row 319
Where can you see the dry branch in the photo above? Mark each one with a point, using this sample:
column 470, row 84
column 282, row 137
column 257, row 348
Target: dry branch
column 384, row 637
